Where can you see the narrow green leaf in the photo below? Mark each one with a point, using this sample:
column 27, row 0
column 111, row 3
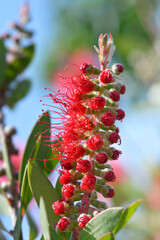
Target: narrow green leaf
column 2, row 62
column 42, row 238
column 19, row 92
column 126, row 215
column 4, row 206
column 26, row 194
column 56, row 236
column 32, row 227
column 41, row 186
column 44, row 220
column 19, row 64
column 58, row 188
column 108, row 236
column 6, row 158
column 17, row 230
column 103, row 223
column 36, row 150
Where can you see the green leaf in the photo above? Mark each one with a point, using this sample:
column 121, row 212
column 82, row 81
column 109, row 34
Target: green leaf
column 44, row 220
column 6, row 158
column 19, row 64
column 126, row 215
column 2, row 62
column 56, row 236
column 17, row 230
column 20, row 91
column 103, row 223
column 32, row 227
column 26, row 194
column 58, row 188
column 41, row 186
column 108, row 236
column 4, row 206
column 43, row 151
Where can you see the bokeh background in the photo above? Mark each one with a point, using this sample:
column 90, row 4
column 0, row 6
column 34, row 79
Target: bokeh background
column 64, row 33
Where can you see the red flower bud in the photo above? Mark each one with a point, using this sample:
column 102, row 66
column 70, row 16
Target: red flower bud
column 68, row 190
column 83, row 166
column 108, row 119
column 117, row 69
column 123, row 89
column 86, row 68
column 115, row 96
column 83, row 219
column 113, row 137
column 120, row 114
column 106, row 77
column 95, row 142
column 102, row 157
column 88, row 182
column 110, row 193
column 115, row 154
column 64, row 223
column 60, row 207
column 96, row 103
column 110, row 176
column 66, row 177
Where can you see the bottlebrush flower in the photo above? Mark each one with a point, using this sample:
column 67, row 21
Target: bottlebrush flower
column 82, row 136
column 96, row 103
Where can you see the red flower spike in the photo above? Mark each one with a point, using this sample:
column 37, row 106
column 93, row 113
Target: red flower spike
column 120, row 114
column 123, row 89
column 64, row 223
column 115, row 154
column 113, row 137
column 66, row 177
column 110, row 176
column 88, row 182
column 95, row 142
column 83, row 219
column 83, row 166
column 108, row 119
column 68, row 190
column 96, row 103
column 114, row 95
column 106, row 77
column 102, row 157
column 83, row 83
column 110, row 193
column 60, row 207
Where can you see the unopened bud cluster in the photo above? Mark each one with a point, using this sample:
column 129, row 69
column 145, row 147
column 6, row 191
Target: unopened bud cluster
column 84, row 137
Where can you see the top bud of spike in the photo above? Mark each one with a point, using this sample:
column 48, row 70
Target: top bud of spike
column 106, row 49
